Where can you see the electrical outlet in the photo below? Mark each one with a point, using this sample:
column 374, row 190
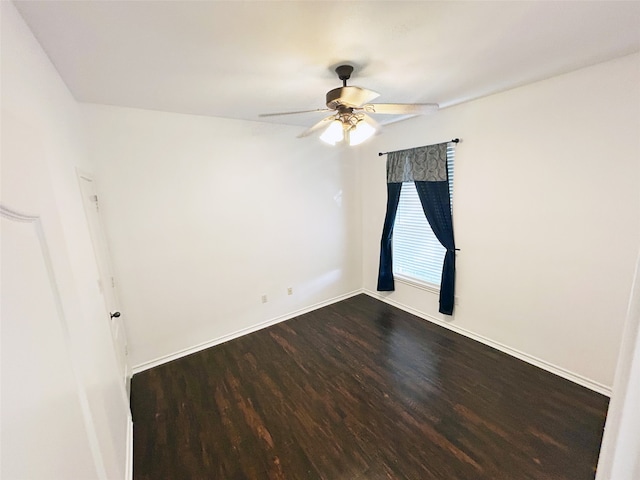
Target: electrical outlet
column 264, row 299
column 290, row 291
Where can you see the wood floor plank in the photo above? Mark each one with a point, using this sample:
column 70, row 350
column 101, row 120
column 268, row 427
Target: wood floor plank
column 361, row 390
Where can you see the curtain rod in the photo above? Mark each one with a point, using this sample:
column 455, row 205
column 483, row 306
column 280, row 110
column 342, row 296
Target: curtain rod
column 455, row 140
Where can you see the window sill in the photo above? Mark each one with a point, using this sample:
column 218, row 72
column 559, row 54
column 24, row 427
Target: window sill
column 429, row 287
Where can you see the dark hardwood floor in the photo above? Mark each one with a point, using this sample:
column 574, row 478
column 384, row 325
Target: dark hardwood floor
column 361, row 390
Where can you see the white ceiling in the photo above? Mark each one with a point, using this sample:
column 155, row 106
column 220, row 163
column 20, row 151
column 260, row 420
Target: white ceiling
column 237, row 59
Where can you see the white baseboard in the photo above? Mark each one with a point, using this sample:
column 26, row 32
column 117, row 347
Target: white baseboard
column 239, row 333
column 129, row 464
column 566, row 374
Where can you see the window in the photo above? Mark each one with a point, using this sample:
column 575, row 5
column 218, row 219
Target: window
column 417, row 253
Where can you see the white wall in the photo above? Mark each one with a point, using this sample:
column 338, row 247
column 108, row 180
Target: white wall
column 205, row 215
column 546, row 214
column 41, row 146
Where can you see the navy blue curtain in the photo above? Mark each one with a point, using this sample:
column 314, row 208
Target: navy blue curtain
column 427, row 167
column 436, row 203
column 385, row 271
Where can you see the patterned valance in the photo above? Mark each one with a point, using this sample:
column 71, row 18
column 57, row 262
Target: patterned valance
column 420, row 164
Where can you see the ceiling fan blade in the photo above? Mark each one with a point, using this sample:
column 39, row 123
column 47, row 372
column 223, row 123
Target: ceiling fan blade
column 367, row 119
column 294, row 113
column 322, row 123
column 400, row 108
column 349, row 97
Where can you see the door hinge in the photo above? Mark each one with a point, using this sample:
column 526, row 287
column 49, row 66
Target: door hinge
column 113, row 282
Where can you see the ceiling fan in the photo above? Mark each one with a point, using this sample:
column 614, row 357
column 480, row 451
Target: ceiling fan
column 351, row 121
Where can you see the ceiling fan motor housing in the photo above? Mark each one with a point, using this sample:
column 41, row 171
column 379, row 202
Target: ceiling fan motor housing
column 335, row 97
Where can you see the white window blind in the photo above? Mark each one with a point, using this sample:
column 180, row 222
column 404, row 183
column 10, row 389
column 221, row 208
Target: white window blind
column 417, row 253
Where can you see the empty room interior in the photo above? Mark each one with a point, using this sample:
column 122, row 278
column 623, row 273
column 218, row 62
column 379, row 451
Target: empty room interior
column 210, row 269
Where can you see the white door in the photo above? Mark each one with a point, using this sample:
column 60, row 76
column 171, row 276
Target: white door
column 106, row 281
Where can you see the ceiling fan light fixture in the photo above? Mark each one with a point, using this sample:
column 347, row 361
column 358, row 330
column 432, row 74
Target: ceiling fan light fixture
column 334, row 133
column 360, row 132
